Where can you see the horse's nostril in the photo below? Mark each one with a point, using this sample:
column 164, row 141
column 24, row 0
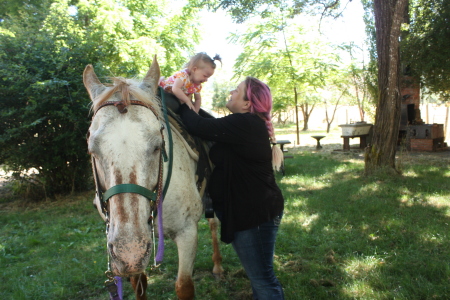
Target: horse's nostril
column 111, row 250
column 149, row 248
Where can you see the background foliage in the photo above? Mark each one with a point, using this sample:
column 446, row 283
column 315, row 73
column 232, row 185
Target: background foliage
column 44, row 108
column 45, row 45
column 426, row 44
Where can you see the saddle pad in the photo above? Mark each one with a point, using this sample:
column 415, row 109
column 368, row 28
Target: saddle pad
column 199, row 147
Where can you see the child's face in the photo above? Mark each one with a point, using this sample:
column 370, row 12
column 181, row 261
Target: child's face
column 201, row 74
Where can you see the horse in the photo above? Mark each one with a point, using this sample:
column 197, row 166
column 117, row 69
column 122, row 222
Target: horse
column 127, row 141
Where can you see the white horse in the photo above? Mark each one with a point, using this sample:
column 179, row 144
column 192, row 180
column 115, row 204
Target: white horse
column 127, row 140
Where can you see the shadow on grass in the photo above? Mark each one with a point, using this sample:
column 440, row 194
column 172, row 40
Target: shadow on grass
column 343, row 236
column 346, row 236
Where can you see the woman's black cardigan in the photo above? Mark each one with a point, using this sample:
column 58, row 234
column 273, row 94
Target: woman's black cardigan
column 242, row 185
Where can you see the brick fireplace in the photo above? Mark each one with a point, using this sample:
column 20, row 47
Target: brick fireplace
column 417, row 135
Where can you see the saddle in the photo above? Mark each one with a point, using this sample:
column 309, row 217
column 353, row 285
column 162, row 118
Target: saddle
column 199, row 146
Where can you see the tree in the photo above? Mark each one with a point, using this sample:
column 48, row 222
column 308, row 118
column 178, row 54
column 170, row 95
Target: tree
column 44, row 107
column 291, row 63
column 388, row 19
column 221, row 94
column 334, row 92
column 361, row 78
column 425, row 47
column 241, row 10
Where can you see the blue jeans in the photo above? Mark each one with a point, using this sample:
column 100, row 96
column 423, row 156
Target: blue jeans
column 255, row 248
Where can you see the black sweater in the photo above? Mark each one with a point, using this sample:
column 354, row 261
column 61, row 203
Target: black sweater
column 242, row 185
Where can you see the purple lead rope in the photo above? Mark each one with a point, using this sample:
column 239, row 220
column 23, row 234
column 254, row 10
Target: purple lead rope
column 115, row 289
column 158, row 259
column 160, row 253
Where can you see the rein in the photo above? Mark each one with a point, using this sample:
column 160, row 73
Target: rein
column 114, row 283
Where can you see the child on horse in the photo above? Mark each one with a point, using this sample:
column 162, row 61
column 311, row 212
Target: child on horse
column 187, row 82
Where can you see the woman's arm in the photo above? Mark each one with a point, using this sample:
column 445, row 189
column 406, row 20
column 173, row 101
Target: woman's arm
column 234, row 128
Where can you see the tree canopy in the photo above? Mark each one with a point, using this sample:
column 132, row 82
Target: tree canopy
column 241, row 10
column 44, row 108
column 426, row 44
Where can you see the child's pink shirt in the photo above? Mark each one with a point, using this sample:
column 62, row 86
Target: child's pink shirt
column 188, row 87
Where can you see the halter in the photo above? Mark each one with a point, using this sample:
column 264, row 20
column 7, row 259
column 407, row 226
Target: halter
column 129, row 187
column 155, row 197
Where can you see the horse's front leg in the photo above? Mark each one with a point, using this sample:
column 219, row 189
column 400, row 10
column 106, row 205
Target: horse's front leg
column 139, row 283
column 187, row 248
column 217, row 257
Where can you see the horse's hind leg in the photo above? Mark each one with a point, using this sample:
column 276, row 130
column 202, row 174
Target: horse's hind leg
column 217, row 257
column 187, row 248
column 139, row 283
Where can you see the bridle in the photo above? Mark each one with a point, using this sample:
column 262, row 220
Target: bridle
column 152, row 195
column 155, row 196
column 161, row 189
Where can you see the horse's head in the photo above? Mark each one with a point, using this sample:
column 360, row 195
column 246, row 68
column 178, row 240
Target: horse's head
column 125, row 142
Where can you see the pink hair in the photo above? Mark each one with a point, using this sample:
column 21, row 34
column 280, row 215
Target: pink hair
column 258, row 93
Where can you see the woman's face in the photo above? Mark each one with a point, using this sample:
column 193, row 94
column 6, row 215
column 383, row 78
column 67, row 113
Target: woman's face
column 236, row 102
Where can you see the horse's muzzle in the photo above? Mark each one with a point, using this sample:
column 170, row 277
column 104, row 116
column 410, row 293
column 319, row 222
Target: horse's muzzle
column 130, row 260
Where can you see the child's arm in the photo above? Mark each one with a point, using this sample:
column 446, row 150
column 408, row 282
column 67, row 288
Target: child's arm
column 176, row 89
column 198, row 102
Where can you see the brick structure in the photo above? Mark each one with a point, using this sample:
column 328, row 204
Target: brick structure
column 410, row 91
column 426, row 137
column 427, row 144
column 418, row 136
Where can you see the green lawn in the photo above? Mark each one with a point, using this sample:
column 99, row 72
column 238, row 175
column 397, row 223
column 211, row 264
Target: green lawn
column 343, row 236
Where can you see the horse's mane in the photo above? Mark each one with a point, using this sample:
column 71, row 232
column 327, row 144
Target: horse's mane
column 129, row 90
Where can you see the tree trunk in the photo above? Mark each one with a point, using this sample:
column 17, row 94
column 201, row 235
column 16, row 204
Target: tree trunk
column 381, row 152
column 306, row 114
column 296, row 115
column 305, row 117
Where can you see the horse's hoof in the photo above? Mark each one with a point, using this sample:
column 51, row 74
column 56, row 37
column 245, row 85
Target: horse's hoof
column 218, row 276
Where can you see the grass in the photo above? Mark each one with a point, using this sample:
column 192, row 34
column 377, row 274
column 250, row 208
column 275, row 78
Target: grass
column 343, row 236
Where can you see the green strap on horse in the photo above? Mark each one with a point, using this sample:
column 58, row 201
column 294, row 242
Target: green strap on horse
column 169, row 133
column 137, row 189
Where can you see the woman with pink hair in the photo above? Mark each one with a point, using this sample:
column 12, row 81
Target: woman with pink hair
column 245, row 196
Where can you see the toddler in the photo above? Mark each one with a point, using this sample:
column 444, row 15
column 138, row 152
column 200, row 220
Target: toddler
column 185, row 83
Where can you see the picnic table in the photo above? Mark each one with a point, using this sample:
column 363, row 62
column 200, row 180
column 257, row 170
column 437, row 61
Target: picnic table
column 362, row 141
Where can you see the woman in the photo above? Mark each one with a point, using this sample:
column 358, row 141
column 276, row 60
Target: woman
column 245, row 195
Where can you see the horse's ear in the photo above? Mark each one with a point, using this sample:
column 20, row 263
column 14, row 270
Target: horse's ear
column 151, row 80
column 91, row 82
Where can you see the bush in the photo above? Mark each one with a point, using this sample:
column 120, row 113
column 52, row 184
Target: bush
column 44, row 110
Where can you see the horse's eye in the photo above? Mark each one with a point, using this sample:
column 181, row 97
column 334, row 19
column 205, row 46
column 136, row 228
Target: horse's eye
column 157, row 148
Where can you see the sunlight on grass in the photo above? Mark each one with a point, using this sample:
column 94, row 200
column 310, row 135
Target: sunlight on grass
column 364, row 274
column 434, row 238
column 410, row 173
column 361, row 290
column 440, row 200
column 363, row 268
column 308, row 220
column 370, row 188
column 343, row 236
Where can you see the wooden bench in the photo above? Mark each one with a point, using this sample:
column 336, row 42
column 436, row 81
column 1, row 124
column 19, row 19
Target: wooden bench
column 362, row 141
column 281, row 143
